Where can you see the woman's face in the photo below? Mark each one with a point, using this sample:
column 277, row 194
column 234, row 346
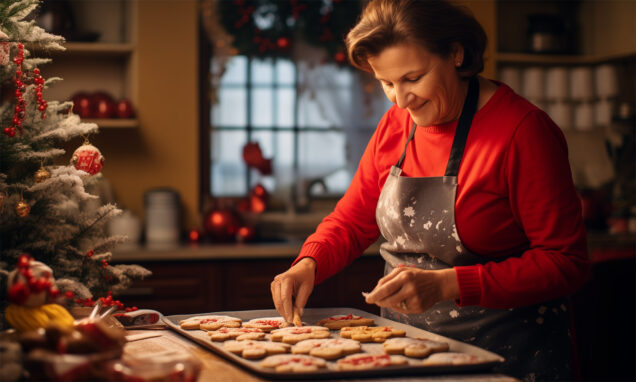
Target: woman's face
column 425, row 84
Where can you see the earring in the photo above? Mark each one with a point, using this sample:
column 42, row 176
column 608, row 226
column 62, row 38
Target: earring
column 458, row 64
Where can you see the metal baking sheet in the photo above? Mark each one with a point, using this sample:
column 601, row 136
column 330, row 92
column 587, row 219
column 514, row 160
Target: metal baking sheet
column 310, row 317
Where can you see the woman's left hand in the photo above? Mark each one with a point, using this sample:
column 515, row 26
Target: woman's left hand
column 412, row 290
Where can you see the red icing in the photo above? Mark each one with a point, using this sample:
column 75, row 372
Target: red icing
column 273, row 323
column 350, row 316
column 374, row 360
column 300, row 331
column 206, row 320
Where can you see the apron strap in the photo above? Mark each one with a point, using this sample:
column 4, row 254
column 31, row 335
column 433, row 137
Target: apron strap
column 411, row 134
column 463, row 125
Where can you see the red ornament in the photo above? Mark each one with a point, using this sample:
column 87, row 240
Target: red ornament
column 222, row 224
column 88, row 158
column 102, row 105
column 340, row 57
column 124, row 109
column 245, row 234
column 253, row 157
column 283, row 43
column 194, row 236
column 82, row 105
column 258, row 199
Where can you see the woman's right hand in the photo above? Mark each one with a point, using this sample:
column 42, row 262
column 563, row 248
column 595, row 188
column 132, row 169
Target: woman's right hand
column 292, row 288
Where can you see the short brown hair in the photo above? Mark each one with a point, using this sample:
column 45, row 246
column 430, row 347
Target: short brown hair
column 436, row 24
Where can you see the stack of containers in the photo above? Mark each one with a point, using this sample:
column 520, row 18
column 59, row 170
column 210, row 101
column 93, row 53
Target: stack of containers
column 577, row 97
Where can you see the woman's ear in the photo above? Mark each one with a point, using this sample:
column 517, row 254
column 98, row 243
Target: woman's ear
column 457, row 54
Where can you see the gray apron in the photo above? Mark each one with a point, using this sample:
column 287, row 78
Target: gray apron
column 416, row 216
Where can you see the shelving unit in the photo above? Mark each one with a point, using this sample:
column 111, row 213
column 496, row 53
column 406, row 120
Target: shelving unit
column 108, row 65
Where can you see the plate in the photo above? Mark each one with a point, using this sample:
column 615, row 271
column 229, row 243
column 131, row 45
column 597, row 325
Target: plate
column 310, row 317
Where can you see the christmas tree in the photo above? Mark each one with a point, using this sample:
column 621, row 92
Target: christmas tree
column 46, row 210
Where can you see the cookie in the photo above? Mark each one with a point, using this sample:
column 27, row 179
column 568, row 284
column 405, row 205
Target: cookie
column 251, row 349
column 340, row 321
column 211, row 322
column 451, row 358
column 239, row 334
column 414, row 347
column 370, row 333
column 294, row 363
column 327, row 348
column 267, row 324
column 364, row 361
column 292, row 335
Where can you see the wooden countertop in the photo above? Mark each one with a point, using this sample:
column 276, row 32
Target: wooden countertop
column 216, row 368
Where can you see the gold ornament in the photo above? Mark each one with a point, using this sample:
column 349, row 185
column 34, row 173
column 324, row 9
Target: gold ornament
column 22, row 208
column 41, row 175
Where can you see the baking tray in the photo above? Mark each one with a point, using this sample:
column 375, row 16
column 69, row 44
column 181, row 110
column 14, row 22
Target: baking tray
column 310, row 317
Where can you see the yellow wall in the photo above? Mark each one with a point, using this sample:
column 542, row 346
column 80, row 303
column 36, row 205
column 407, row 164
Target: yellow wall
column 163, row 151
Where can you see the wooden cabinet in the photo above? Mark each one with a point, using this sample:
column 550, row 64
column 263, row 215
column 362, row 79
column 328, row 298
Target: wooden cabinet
column 180, row 287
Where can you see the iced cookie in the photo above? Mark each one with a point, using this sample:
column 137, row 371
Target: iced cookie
column 239, row 334
column 340, row 321
column 209, row 322
column 294, row 335
column 371, row 333
column 451, row 358
column 413, row 347
column 370, row 361
column 294, row 363
column 327, row 348
column 255, row 349
column 267, row 324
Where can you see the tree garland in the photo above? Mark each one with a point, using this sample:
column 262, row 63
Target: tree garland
column 267, row 28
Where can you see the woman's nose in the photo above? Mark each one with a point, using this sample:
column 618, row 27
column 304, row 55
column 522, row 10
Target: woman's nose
column 403, row 98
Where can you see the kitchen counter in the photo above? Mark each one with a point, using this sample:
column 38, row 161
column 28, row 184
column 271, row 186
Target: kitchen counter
column 217, row 368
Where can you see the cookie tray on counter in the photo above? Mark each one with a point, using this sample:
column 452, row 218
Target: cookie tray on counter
column 311, row 316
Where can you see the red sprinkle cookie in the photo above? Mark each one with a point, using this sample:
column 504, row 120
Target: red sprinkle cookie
column 267, row 324
column 327, row 348
column 294, row 363
column 294, row 334
column 209, row 322
column 255, row 349
column 370, row 333
column 340, row 321
column 413, row 347
column 370, row 361
column 239, row 334
column 451, row 358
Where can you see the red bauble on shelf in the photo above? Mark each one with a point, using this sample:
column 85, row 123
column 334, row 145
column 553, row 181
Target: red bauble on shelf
column 82, row 105
column 124, row 109
column 103, row 105
column 222, row 224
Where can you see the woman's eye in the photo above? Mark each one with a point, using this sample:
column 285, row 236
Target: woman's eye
column 387, row 84
column 414, row 79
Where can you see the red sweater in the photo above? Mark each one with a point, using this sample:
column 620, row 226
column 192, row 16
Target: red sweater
column 515, row 201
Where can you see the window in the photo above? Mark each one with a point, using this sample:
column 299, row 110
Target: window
column 302, row 117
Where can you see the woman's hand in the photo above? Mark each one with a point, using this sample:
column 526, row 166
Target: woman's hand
column 411, row 290
column 292, row 288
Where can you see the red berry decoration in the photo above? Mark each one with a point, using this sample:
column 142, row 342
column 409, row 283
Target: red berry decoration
column 18, row 114
column 18, row 293
column 39, row 85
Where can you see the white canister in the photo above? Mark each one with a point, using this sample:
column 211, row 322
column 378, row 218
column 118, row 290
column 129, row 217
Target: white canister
column 603, row 112
column 163, row 216
column 584, row 116
column 561, row 114
column 511, row 76
column 606, row 81
column 556, row 84
column 129, row 225
column 581, row 83
column 533, row 83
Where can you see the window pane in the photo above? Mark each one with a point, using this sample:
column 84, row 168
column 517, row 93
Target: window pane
column 321, row 154
column 235, row 71
column 231, row 108
column 262, row 109
column 285, row 107
column 310, row 112
column 228, row 167
column 285, row 72
column 262, row 72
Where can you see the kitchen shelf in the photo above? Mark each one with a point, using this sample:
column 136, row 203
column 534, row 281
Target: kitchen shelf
column 114, row 123
column 549, row 59
column 99, row 49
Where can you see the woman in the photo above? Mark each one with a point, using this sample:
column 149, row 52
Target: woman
column 470, row 186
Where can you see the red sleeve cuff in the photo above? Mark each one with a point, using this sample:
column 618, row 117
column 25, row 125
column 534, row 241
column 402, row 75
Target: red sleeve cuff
column 469, row 285
column 316, row 252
